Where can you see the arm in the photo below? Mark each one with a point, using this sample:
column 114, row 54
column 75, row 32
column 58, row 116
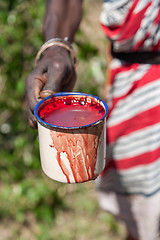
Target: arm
column 55, row 71
column 62, row 18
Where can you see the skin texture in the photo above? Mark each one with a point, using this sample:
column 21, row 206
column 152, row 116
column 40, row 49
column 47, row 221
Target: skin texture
column 55, row 70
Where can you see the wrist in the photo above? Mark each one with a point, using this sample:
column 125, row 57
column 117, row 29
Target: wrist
column 55, row 50
column 57, row 44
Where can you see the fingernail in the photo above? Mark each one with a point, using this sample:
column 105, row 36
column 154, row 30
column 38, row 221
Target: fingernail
column 46, row 93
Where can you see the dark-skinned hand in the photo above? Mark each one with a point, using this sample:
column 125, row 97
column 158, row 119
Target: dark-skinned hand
column 55, row 72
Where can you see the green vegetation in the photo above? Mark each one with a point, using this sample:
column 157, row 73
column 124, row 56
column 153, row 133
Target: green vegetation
column 31, row 205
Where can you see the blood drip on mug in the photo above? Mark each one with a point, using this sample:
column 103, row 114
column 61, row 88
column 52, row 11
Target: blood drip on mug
column 71, row 111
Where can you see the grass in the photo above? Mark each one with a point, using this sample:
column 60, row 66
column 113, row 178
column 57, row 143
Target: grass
column 78, row 218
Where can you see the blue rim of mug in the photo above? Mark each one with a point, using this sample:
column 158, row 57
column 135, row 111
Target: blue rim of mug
column 51, row 126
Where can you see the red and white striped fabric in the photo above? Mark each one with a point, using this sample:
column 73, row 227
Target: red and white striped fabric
column 133, row 126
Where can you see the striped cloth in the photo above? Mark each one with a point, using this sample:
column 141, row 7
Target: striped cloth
column 133, row 126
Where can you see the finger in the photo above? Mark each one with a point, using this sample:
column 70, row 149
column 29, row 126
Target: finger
column 32, row 101
column 46, row 93
column 32, row 124
column 33, row 85
column 32, row 119
column 39, row 82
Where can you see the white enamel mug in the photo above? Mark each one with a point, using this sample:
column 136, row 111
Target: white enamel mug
column 72, row 154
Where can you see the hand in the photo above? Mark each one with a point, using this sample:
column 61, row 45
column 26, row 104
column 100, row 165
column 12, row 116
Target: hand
column 54, row 72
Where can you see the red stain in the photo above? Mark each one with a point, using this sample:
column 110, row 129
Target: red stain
column 81, row 151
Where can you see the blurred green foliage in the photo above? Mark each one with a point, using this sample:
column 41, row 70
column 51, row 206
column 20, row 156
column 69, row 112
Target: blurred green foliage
column 22, row 187
column 24, row 191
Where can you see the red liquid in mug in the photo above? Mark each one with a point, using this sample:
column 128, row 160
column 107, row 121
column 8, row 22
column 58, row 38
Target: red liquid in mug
column 71, row 111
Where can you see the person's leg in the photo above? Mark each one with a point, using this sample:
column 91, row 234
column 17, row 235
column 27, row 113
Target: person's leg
column 146, row 212
column 140, row 214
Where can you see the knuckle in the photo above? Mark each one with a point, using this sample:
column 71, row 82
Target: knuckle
column 59, row 65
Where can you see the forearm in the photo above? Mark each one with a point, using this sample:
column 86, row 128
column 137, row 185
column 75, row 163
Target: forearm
column 55, row 72
column 62, row 18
